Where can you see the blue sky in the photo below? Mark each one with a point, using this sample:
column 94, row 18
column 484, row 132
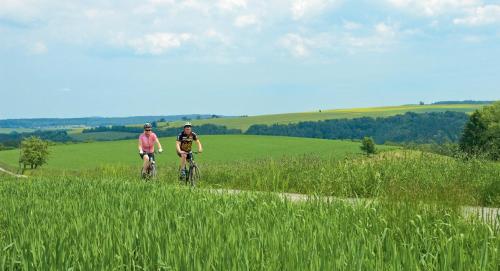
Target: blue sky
column 234, row 57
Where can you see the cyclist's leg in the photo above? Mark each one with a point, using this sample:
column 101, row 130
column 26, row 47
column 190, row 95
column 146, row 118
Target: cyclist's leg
column 183, row 159
column 145, row 165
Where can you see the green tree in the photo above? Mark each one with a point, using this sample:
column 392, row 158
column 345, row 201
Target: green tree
column 34, row 152
column 481, row 134
column 368, row 146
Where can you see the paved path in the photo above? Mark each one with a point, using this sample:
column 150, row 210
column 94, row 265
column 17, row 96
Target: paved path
column 489, row 215
column 12, row 174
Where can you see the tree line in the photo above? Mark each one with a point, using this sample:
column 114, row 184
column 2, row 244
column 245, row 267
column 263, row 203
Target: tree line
column 410, row 127
column 481, row 135
column 463, row 102
column 13, row 140
column 92, row 121
column 205, row 129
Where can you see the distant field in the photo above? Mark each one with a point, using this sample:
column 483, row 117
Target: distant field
column 217, row 148
column 245, row 122
column 102, row 136
column 19, row 130
column 71, row 130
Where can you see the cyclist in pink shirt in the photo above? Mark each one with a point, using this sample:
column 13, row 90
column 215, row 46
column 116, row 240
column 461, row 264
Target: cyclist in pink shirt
column 147, row 141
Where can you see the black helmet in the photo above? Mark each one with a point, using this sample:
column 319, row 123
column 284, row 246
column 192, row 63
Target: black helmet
column 148, row 126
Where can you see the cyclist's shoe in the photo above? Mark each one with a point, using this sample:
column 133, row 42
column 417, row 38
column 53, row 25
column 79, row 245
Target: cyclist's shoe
column 183, row 174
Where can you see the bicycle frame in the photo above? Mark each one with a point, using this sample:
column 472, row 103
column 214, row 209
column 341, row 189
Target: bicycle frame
column 151, row 172
column 192, row 172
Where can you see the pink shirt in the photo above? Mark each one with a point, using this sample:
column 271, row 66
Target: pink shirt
column 148, row 142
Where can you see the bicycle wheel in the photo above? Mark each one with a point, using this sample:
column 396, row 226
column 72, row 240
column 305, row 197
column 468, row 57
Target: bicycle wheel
column 152, row 171
column 194, row 175
column 185, row 176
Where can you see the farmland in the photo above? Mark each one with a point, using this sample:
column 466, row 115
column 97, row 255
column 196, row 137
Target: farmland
column 87, row 209
column 73, row 223
column 217, row 148
column 299, row 165
column 244, row 122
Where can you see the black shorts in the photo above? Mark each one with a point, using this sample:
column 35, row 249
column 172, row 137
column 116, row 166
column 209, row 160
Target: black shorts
column 151, row 156
column 189, row 155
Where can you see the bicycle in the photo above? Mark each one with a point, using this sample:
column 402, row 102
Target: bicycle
column 151, row 170
column 193, row 173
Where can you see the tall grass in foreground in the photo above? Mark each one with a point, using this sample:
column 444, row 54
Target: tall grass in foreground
column 115, row 223
column 400, row 175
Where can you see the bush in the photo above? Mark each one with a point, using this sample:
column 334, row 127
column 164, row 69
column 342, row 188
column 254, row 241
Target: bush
column 368, row 146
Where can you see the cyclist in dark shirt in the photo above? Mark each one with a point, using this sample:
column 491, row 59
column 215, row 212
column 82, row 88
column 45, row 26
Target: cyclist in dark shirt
column 185, row 143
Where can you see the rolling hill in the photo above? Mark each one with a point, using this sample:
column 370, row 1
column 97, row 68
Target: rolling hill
column 244, row 123
column 217, row 149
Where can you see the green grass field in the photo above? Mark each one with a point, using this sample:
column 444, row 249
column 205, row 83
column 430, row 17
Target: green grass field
column 244, row 122
column 97, row 214
column 217, row 148
column 68, row 223
column 287, row 164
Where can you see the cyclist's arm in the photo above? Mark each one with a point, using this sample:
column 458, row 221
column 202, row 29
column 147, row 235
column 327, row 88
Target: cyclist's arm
column 178, row 147
column 200, row 147
column 159, row 144
column 140, row 146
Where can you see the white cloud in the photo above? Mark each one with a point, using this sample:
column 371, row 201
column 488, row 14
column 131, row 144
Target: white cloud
column 302, row 45
column 232, row 4
column 155, row 27
column 382, row 36
column 305, row 8
column 162, row 2
column 246, row 20
column 434, row 7
column 158, row 43
column 483, row 15
column 348, row 25
column 386, row 30
column 39, row 48
column 20, row 10
column 297, row 45
column 94, row 13
column 219, row 37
